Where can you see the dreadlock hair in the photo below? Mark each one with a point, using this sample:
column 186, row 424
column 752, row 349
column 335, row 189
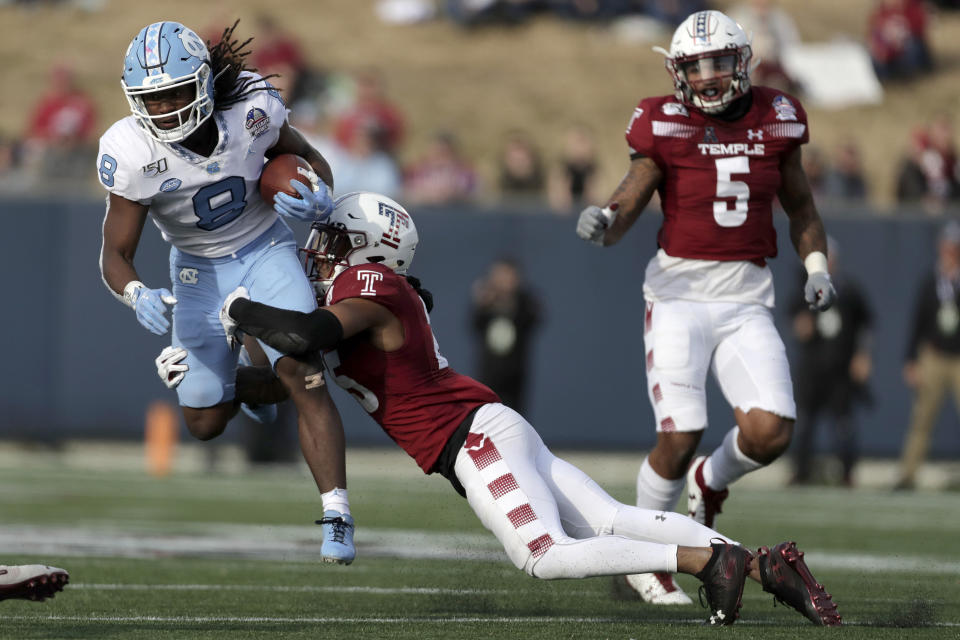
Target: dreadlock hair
column 425, row 295
column 227, row 61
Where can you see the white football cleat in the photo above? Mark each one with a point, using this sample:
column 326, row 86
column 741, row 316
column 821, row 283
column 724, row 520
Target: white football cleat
column 229, row 324
column 35, row 582
column 703, row 503
column 657, row 588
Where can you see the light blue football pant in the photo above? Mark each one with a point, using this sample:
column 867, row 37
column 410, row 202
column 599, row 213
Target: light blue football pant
column 270, row 270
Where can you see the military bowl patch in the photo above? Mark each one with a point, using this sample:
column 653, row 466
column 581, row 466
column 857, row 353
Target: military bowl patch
column 784, row 108
column 257, row 122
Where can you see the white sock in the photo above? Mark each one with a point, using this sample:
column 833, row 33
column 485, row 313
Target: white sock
column 656, row 492
column 336, row 500
column 604, row 556
column 727, row 463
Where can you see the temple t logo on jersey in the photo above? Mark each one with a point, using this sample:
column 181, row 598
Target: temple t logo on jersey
column 369, row 279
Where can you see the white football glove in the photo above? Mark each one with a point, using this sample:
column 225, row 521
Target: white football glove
column 594, row 222
column 170, row 366
column 819, row 292
column 230, row 327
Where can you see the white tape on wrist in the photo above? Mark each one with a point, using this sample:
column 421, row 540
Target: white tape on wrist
column 815, row 262
column 130, row 292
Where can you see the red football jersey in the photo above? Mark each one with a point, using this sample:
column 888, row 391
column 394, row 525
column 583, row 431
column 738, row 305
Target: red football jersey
column 720, row 178
column 413, row 395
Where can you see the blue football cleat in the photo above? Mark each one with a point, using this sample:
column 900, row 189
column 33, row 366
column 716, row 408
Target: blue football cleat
column 337, row 544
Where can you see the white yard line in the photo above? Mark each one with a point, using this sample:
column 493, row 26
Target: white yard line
column 395, row 620
column 302, row 544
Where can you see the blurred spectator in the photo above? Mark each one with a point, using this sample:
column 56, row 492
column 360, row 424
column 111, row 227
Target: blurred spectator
column 773, row 31
column 573, row 180
column 832, row 370
column 897, row 39
column 371, row 108
column 364, row 166
column 815, row 166
column 930, row 173
column 9, row 155
column 521, row 168
column 673, row 12
column 59, row 137
column 505, row 316
column 933, row 355
column 845, row 178
column 279, row 54
column 273, row 46
column 594, row 9
column 474, row 13
column 441, row 175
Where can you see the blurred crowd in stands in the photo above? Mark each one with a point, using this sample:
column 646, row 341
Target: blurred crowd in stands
column 353, row 120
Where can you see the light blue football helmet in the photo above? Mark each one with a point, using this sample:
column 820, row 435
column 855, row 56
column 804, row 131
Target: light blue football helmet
column 162, row 56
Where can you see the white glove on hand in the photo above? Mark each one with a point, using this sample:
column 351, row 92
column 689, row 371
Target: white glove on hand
column 312, row 205
column 170, row 366
column 594, row 222
column 149, row 305
column 230, row 327
column 819, row 291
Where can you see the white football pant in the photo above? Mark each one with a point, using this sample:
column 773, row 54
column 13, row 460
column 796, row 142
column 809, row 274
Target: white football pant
column 738, row 342
column 552, row 519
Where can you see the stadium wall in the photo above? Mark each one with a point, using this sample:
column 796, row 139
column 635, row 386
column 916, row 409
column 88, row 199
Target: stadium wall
column 79, row 364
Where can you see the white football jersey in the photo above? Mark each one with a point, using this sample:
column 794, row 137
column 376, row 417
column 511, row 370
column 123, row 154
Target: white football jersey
column 208, row 207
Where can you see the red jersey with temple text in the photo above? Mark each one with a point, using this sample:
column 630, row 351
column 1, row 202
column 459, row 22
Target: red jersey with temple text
column 412, row 393
column 720, row 177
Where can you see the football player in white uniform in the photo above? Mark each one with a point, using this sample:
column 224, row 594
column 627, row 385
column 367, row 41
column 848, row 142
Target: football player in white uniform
column 190, row 155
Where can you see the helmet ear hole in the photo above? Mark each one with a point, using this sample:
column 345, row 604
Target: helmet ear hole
column 376, row 258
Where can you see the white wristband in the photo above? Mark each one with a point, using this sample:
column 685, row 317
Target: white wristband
column 130, row 293
column 815, row 262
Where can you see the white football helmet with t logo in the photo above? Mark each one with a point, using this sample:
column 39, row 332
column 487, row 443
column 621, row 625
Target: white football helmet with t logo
column 712, row 45
column 363, row 228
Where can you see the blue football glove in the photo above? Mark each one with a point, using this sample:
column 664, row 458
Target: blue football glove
column 150, row 305
column 819, row 292
column 312, row 205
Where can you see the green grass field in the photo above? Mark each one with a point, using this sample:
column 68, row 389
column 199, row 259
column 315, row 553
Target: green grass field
column 234, row 555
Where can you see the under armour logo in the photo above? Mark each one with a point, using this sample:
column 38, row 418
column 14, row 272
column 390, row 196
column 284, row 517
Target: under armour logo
column 189, row 275
column 314, row 381
column 662, row 517
column 754, row 134
column 710, row 136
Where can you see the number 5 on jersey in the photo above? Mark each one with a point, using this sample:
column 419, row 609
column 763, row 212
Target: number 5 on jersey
column 729, row 188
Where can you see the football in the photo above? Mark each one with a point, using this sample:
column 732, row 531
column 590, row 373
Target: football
column 278, row 172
